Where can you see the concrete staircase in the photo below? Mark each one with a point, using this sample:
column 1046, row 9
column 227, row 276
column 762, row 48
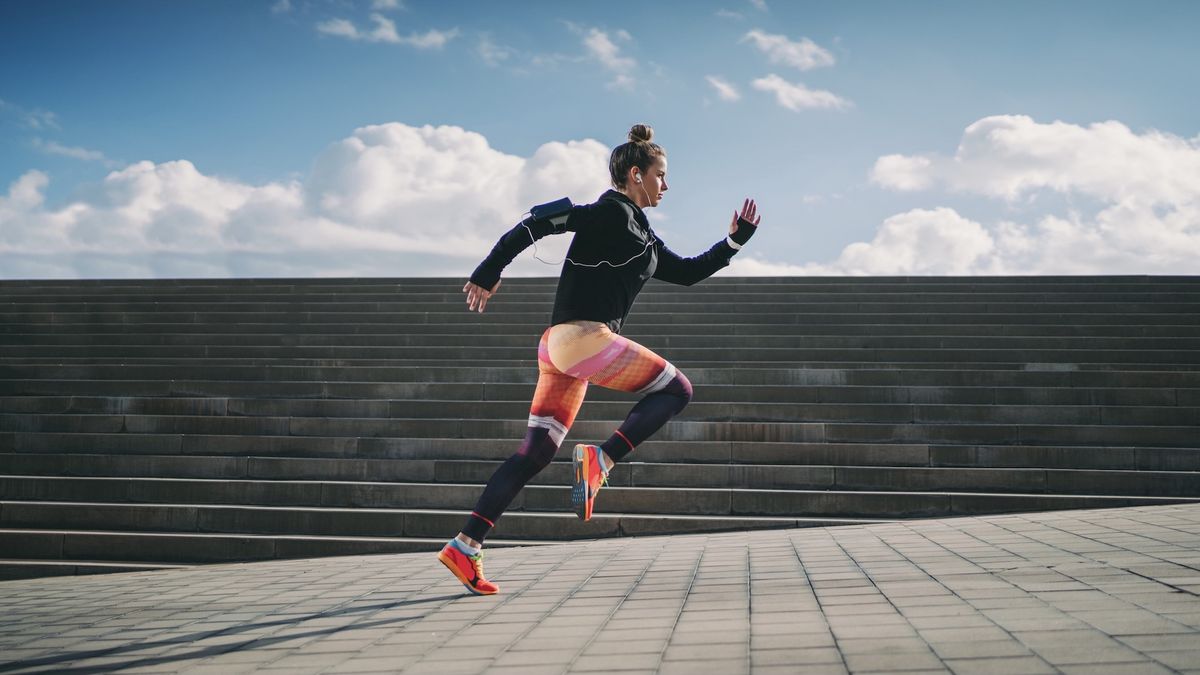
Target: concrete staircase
column 146, row 424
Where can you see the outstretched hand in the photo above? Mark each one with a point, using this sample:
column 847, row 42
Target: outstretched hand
column 478, row 295
column 749, row 214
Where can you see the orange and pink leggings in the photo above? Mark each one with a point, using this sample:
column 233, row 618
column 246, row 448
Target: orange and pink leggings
column 570, row 355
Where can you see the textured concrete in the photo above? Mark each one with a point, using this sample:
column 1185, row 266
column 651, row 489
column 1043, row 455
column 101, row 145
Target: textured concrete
column 162, row 422
column 1064, row 592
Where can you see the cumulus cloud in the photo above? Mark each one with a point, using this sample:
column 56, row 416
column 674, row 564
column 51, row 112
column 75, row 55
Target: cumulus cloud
column 602, row 49
column 805, row 54
column 1146, row 187
column 797, row 97
column 384, row 30
column 389, row 200
column 1008, row 156
column 725, row 90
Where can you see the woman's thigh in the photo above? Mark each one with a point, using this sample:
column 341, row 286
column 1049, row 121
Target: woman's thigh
column 590, row 351
column 557, row 398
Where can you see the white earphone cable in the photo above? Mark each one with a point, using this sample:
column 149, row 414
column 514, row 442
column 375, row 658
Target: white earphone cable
column 602, row 262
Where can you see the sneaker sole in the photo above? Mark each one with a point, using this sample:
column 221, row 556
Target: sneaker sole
column 579, row 462
column 445, row 559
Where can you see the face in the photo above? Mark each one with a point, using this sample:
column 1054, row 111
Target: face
column 654, row 182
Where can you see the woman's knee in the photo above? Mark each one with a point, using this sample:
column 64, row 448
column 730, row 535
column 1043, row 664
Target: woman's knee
column 537, row 450
column 681, row 387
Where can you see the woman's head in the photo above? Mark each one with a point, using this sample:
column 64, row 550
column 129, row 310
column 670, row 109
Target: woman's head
column 639, row 168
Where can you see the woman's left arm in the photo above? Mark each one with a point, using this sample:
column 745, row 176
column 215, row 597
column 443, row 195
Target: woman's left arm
column 675, row 269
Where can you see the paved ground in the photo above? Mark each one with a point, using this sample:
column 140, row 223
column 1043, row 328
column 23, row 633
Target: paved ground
column 1083, row 591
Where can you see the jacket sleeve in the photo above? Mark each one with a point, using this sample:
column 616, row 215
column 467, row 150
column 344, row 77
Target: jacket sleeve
column 520, row 238
column 687, row 271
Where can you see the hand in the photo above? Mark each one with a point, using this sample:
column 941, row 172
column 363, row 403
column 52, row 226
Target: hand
column 749, row 214
column 478, row 295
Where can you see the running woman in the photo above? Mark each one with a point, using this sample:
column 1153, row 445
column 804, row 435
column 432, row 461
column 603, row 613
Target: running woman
column 613, row 254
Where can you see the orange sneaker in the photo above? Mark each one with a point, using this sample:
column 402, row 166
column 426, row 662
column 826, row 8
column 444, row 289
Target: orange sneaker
column 589, row 477
column 468, row 569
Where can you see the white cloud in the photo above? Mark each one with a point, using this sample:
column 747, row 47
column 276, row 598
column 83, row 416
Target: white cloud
column 431, row 39
column 385, row 31
column 727, row 14
column 748, row 264
column 725, row 90
column 389, row 200
column 1008, row 156
column 805, row 54
column 760, row 5
column 1143, row 192
column 601, row 48
column 55, row 148
column 339, row 28
column 492, row 53
column 1146, row 188
column 281, row 7
column 922, row 241
column 798, row 97
column 36, row 118
column 902, row 173
column 382, row 5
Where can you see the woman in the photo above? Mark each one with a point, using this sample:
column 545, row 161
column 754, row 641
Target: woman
column 613, row 254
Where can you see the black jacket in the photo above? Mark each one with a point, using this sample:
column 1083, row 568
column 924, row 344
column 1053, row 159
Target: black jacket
column 594, row 285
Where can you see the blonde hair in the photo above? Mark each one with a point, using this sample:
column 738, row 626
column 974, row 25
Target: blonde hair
column 639, row 152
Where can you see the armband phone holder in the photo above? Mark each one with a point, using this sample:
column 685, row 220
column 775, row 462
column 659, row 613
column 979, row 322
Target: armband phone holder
column 556, row 212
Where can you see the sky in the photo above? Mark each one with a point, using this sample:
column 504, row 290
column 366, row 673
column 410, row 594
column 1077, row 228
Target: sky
column 393, row 138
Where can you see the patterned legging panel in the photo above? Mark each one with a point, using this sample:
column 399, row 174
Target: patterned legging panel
column 570, row 355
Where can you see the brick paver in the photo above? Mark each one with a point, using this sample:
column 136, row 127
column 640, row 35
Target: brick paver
column 1065, row 592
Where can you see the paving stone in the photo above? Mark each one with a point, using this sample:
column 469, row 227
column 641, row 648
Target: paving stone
column 1019, row 665
column 635, row 606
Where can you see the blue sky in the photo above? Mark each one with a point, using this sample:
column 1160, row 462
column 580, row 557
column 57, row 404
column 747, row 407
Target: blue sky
column 1014, row 131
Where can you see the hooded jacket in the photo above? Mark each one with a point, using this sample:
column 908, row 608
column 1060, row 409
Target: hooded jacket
column 594, row 285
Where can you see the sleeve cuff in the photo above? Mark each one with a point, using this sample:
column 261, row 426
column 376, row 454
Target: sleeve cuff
column 733, row 244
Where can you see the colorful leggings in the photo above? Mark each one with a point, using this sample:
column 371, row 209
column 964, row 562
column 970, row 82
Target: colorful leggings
column 570, row 356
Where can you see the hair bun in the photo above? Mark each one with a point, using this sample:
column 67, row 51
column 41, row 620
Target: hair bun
column 641, row 133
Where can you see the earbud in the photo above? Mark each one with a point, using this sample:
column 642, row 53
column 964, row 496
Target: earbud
column 637, row 177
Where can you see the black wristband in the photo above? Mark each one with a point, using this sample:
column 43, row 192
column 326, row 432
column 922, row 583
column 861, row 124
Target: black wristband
column 484, row 277
column 745, row 230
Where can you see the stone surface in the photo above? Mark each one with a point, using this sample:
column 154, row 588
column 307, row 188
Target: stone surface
column 1072, row 591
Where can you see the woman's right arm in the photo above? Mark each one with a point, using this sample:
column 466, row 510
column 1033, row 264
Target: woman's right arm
column 485, row 280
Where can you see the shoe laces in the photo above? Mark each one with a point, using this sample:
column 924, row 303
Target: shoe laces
column 477, row 563
column 600, row 466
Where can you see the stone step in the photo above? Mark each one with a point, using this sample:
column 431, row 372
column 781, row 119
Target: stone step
column 654, row 292
column 686, row 430
column 655, row 450
column 427, row 524
column 643, row 315
column 453, row 354
column 548, row 498
column 522, row 370
column 195, row 548
column 369, row 345
column 376, row 409
column 641, row 331
column 725, row 393
column 1048, row 375
column 394, row 284
column 11, row 570
column 770, row 303
column 636, row 473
